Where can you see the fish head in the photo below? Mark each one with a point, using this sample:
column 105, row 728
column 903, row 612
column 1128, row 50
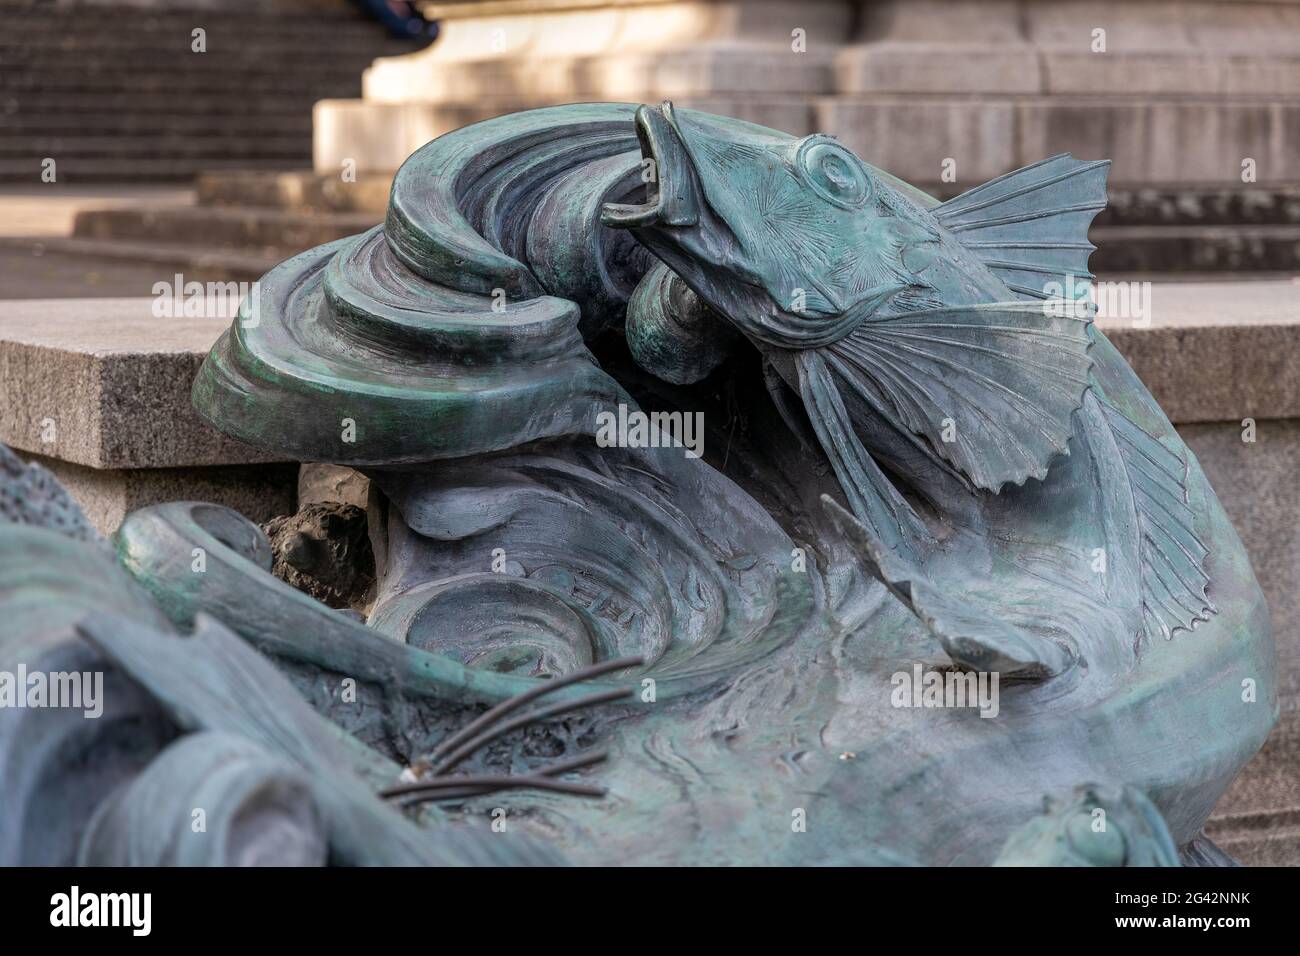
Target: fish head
column 792, row 239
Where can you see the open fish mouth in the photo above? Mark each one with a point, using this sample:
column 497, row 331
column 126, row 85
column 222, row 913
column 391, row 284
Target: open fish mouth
column 672, row 191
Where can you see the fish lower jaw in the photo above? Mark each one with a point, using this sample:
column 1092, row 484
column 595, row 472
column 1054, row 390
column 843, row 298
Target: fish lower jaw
column 630, row 215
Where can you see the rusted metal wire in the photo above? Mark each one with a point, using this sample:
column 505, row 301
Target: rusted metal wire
column 470, row 746
column 448, row 788
column 431, row 782
column 481, row 786
column 514, row 703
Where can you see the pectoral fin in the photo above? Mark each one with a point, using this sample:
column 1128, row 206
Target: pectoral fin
column 988, row 390
column 875, row 501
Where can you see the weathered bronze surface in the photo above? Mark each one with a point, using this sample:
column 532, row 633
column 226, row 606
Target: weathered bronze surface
column 921, row 462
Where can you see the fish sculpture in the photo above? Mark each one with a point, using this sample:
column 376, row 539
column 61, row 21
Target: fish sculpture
column 926, row 480
column 970, row 415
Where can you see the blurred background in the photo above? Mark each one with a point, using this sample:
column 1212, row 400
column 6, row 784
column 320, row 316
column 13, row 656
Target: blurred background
column 207, row 140
column 218, row 135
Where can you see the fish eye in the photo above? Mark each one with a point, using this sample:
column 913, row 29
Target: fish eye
column 833, row 172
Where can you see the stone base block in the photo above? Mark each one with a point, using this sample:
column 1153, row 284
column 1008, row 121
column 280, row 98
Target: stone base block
column 1258, row 820
column 1018, row 67
column 1211, row 351
column 106, row 382
column 107, row 495
column 1150, row 141
column 295, row 191
column 98, row 391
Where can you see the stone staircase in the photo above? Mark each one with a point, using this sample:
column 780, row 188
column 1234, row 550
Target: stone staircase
column 1186, row 230
column 241, row 224
column 244, row 222
column 113, row 92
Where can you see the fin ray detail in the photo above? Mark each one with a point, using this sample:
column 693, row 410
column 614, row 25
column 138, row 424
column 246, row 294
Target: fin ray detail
column 990, row 390
column 1042, row 212
column 1172, row 555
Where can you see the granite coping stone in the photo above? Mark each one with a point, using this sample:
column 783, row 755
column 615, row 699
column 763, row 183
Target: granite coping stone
column 106, row 384
column 1213, row 351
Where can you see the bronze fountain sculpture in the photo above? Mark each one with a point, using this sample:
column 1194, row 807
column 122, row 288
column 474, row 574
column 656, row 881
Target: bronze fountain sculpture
column 925, row 481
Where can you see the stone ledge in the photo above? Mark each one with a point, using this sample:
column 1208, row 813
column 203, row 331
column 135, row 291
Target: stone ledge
column 105, row 384
column 892, row 67
column 1217, row 351
column 912, row 134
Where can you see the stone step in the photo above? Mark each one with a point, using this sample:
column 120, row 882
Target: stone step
column 103, row 87
column 215, row 265
column 1258, row 820
column 335, row 76
column 1217, row 248
column 221, row 227
column 914, row 136
column 270, row 103
column 1122, row 249
column 240, row 43
column 224, row 51
column 1204, row 206
column 88, row 19
column 1201, row 139
column 298, row 191
column 1149, row 206
column 74, row 170
column 32, row 124
column 1187, row 204
column 1269, row 838
column 144, row 146
column 237, row 83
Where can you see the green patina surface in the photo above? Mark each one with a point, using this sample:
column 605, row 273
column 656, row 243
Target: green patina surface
column 916, row 455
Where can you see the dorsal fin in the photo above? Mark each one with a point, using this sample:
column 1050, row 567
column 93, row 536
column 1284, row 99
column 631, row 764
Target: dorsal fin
column 1031, row 225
